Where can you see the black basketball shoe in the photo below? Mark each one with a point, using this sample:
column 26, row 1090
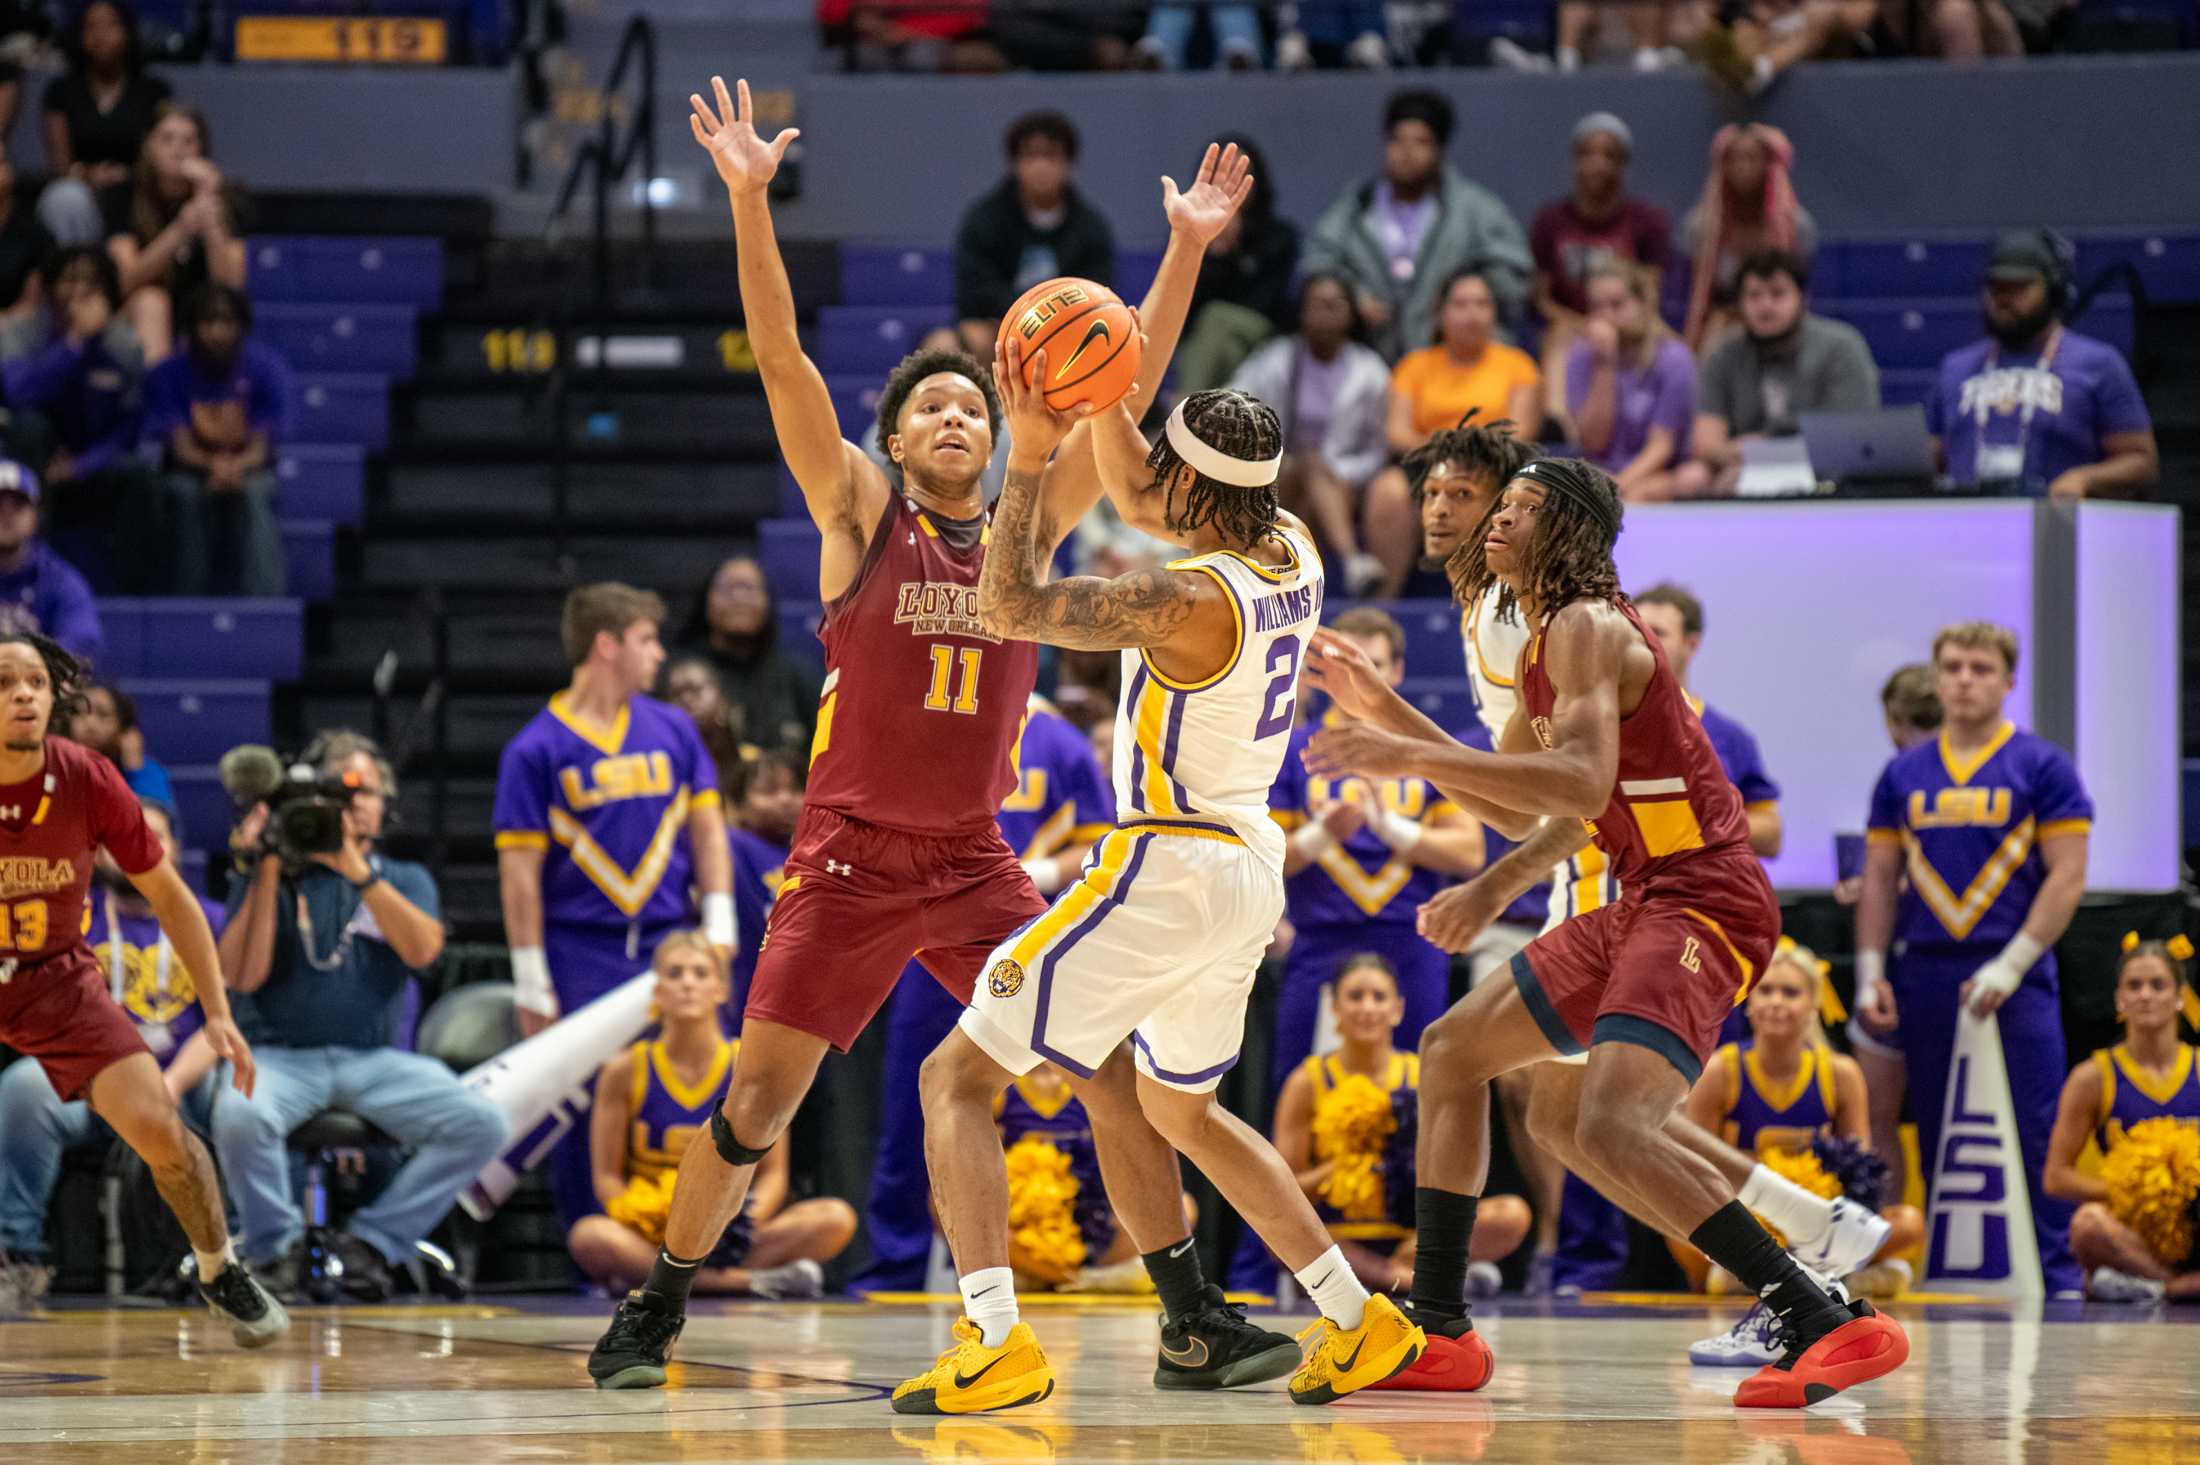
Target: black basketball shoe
column 1217, row 1348
column 255, row 1319
column 631, row 1354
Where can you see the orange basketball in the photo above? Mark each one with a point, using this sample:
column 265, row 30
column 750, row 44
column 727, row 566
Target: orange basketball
column 1089, row 336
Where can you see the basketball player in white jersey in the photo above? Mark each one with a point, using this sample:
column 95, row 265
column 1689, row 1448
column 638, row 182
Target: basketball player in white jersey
column 1159, row 941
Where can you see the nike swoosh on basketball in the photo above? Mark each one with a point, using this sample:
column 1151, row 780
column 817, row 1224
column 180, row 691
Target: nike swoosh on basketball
column 1097, row 328
column 1192, row 1355
column 964, row 1383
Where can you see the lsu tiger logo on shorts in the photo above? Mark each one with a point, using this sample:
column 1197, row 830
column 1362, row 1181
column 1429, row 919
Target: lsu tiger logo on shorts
column 1005, row 980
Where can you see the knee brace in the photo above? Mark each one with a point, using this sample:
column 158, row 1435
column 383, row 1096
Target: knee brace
column 731, row 1150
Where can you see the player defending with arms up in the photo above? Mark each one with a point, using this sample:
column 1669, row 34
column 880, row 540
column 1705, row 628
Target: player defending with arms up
column 897, row 852
column 1160, row 939
column 1603, row 733
column 60, row 804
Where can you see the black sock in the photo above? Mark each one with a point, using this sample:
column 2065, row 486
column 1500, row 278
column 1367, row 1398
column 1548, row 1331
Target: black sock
column 1443, row 1225
column 671, row 1278
column 1733, row 1238
column 1177, row 1277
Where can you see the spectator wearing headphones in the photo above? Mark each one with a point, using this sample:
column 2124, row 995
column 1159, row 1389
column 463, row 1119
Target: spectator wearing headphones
column 2035, row 407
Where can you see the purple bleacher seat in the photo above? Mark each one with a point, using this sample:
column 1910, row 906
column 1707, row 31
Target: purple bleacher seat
column 855, row 402
column 342, row 338
column 787, row 551
column 1134, row 272
column 1433, row 646
column 1906, row 388
column 1918, row 333
column 363, row 270
column 1447, row 701
column 2168, row 264
column 855, row 339
column 349, row 407
column 884, row 274
column 122, row 625
column 232, row 638
column 191, row 863
column 1527, row 22
column 1905, row 269
column 309, row 553
column 198, row 721
column 321, row 481
column 201, row 805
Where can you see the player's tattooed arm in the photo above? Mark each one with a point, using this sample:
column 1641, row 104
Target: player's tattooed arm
column 1083, row 612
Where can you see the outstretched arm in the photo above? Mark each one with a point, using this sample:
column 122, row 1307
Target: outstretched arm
column 844, row 490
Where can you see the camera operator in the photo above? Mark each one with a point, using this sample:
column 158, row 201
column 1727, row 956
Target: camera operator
column 323, row 941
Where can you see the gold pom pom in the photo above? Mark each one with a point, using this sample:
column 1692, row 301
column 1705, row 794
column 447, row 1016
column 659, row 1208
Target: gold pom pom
column 1042, row 1210
column 1351, row 1122
column 2152, row 1176
column 645, row 1205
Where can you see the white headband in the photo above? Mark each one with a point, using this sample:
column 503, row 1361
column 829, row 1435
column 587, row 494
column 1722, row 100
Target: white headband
column 1213, row 463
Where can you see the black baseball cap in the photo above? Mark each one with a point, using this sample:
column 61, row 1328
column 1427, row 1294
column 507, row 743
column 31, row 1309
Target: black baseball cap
column 2020, row 255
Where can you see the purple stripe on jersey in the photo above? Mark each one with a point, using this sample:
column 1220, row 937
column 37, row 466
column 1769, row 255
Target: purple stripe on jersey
column 1166, row 1076
column 1138, row 754
column 1168, row 752
column 1188, row 824
column 1084, row 928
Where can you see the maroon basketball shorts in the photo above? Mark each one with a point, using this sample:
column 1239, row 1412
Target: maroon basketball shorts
column 60, row 1013
column 859, row 900
column 1661, row 967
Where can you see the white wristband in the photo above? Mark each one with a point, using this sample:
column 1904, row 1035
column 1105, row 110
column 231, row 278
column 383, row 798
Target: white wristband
column 1396, row 830
column 718, row 924
column 531, row 981
column 1046, row 874
column 2006, row 971
column 1871, row 974
column 1313, row 841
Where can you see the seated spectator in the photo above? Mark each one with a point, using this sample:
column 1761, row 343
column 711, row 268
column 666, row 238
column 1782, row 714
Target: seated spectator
column 652, row 1102
column 1765, row 37
column 1331, row 393
column 1748, row 205
column 1784, row 362
column 1586, row 29
column 106, row 721
column 322, row 955
column 1244, row 292
column 73, row 380
column 1343, row 1123
column 24, row 245
column 1235, row 30
column 2037, row 408
column 156, row 990
column 217, row 410
column 1468, row 373
column 1404, row 236
column 1631, row 388
column 177, row 228
column 948, row 35
column 735, row 627
column 1032, row 228
column 1066, row 37
column 2121, row 1098
column 39, row 590
column 1352, row 33
column 1969, row 29
column 1597, row 222
column 690, row 682
column 96, row 117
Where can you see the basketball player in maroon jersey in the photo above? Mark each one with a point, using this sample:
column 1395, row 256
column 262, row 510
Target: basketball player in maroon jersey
column 1604, row 735
column 60, row 804
column 897, row 851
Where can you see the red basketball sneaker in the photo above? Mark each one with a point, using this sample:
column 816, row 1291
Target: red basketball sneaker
column 1452, row 1363
column 1868, row 1346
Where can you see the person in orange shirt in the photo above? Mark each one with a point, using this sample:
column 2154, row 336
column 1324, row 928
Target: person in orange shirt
column 1467, row 370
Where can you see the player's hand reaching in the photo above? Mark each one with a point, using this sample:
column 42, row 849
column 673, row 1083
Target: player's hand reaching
column 1450, row 920
column 745, row 162
column 1339, row 667
column 222, row 1036
column 1224, row 181
column 1034, row 428
column 1355, row 747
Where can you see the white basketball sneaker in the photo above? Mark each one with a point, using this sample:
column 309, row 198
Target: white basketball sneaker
column 1850, row 1242
column 1753, row 1341
column 2109, row 1285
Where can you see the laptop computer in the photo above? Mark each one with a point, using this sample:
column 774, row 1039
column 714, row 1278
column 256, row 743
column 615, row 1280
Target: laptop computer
column 1880, row 453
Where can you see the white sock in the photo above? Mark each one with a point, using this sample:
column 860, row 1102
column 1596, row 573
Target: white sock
column 1802, row 1217
column 989, row 1300
column 211, row 1263
column 1329, row 1281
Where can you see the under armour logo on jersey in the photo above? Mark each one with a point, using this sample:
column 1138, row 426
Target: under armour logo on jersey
column 912, row 536
column 7, row 971
column 834, row 867
column 11, row 811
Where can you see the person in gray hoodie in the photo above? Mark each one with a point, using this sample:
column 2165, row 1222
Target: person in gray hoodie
column 1399, row 236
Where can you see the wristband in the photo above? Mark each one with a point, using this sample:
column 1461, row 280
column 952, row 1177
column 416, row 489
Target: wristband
column 531, row 981
column 1396, row 830
column 1871, row 975
column 718, row 924
column 1046, row 874
column 2006, row 971
column 1313, row 841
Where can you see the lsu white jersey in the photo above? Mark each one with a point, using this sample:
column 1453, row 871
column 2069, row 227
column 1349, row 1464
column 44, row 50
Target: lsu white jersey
column 1210, row 750
column 1494, row 644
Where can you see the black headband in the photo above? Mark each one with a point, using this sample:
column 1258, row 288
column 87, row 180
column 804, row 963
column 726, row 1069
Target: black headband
column 1566, row 479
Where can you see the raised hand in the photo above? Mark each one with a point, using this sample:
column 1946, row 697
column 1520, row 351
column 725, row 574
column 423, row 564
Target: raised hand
column 745, row 162
column 1033, row 426
column 1224, row 181
column 1339, row 667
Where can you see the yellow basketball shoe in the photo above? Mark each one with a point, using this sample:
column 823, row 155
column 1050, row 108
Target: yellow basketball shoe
column 1346, row 1360
column 971, row 1378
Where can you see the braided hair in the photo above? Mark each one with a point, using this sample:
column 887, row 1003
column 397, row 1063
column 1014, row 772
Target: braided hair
column 1242, row 426
column 1569, row 555
column 68, row 676
column 1490, row 452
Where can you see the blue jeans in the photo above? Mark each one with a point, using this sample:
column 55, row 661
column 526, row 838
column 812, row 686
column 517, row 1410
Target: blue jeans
column 1236, row 28
column 896, row 1216
column 451, row 1131
column 36, row 1130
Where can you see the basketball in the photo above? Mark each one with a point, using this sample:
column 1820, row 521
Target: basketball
column 1090, row 337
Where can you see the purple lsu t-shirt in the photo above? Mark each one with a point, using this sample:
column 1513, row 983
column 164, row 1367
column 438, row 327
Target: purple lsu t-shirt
column 2085, row 394
column 1662, row 394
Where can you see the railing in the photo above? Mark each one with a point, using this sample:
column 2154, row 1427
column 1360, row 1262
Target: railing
column 426, row 730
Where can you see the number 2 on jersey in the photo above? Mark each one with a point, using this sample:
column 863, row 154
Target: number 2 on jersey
column 1283, row 689
column 943, row 680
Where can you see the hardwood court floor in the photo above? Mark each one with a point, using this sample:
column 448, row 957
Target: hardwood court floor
column 808, row 1382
